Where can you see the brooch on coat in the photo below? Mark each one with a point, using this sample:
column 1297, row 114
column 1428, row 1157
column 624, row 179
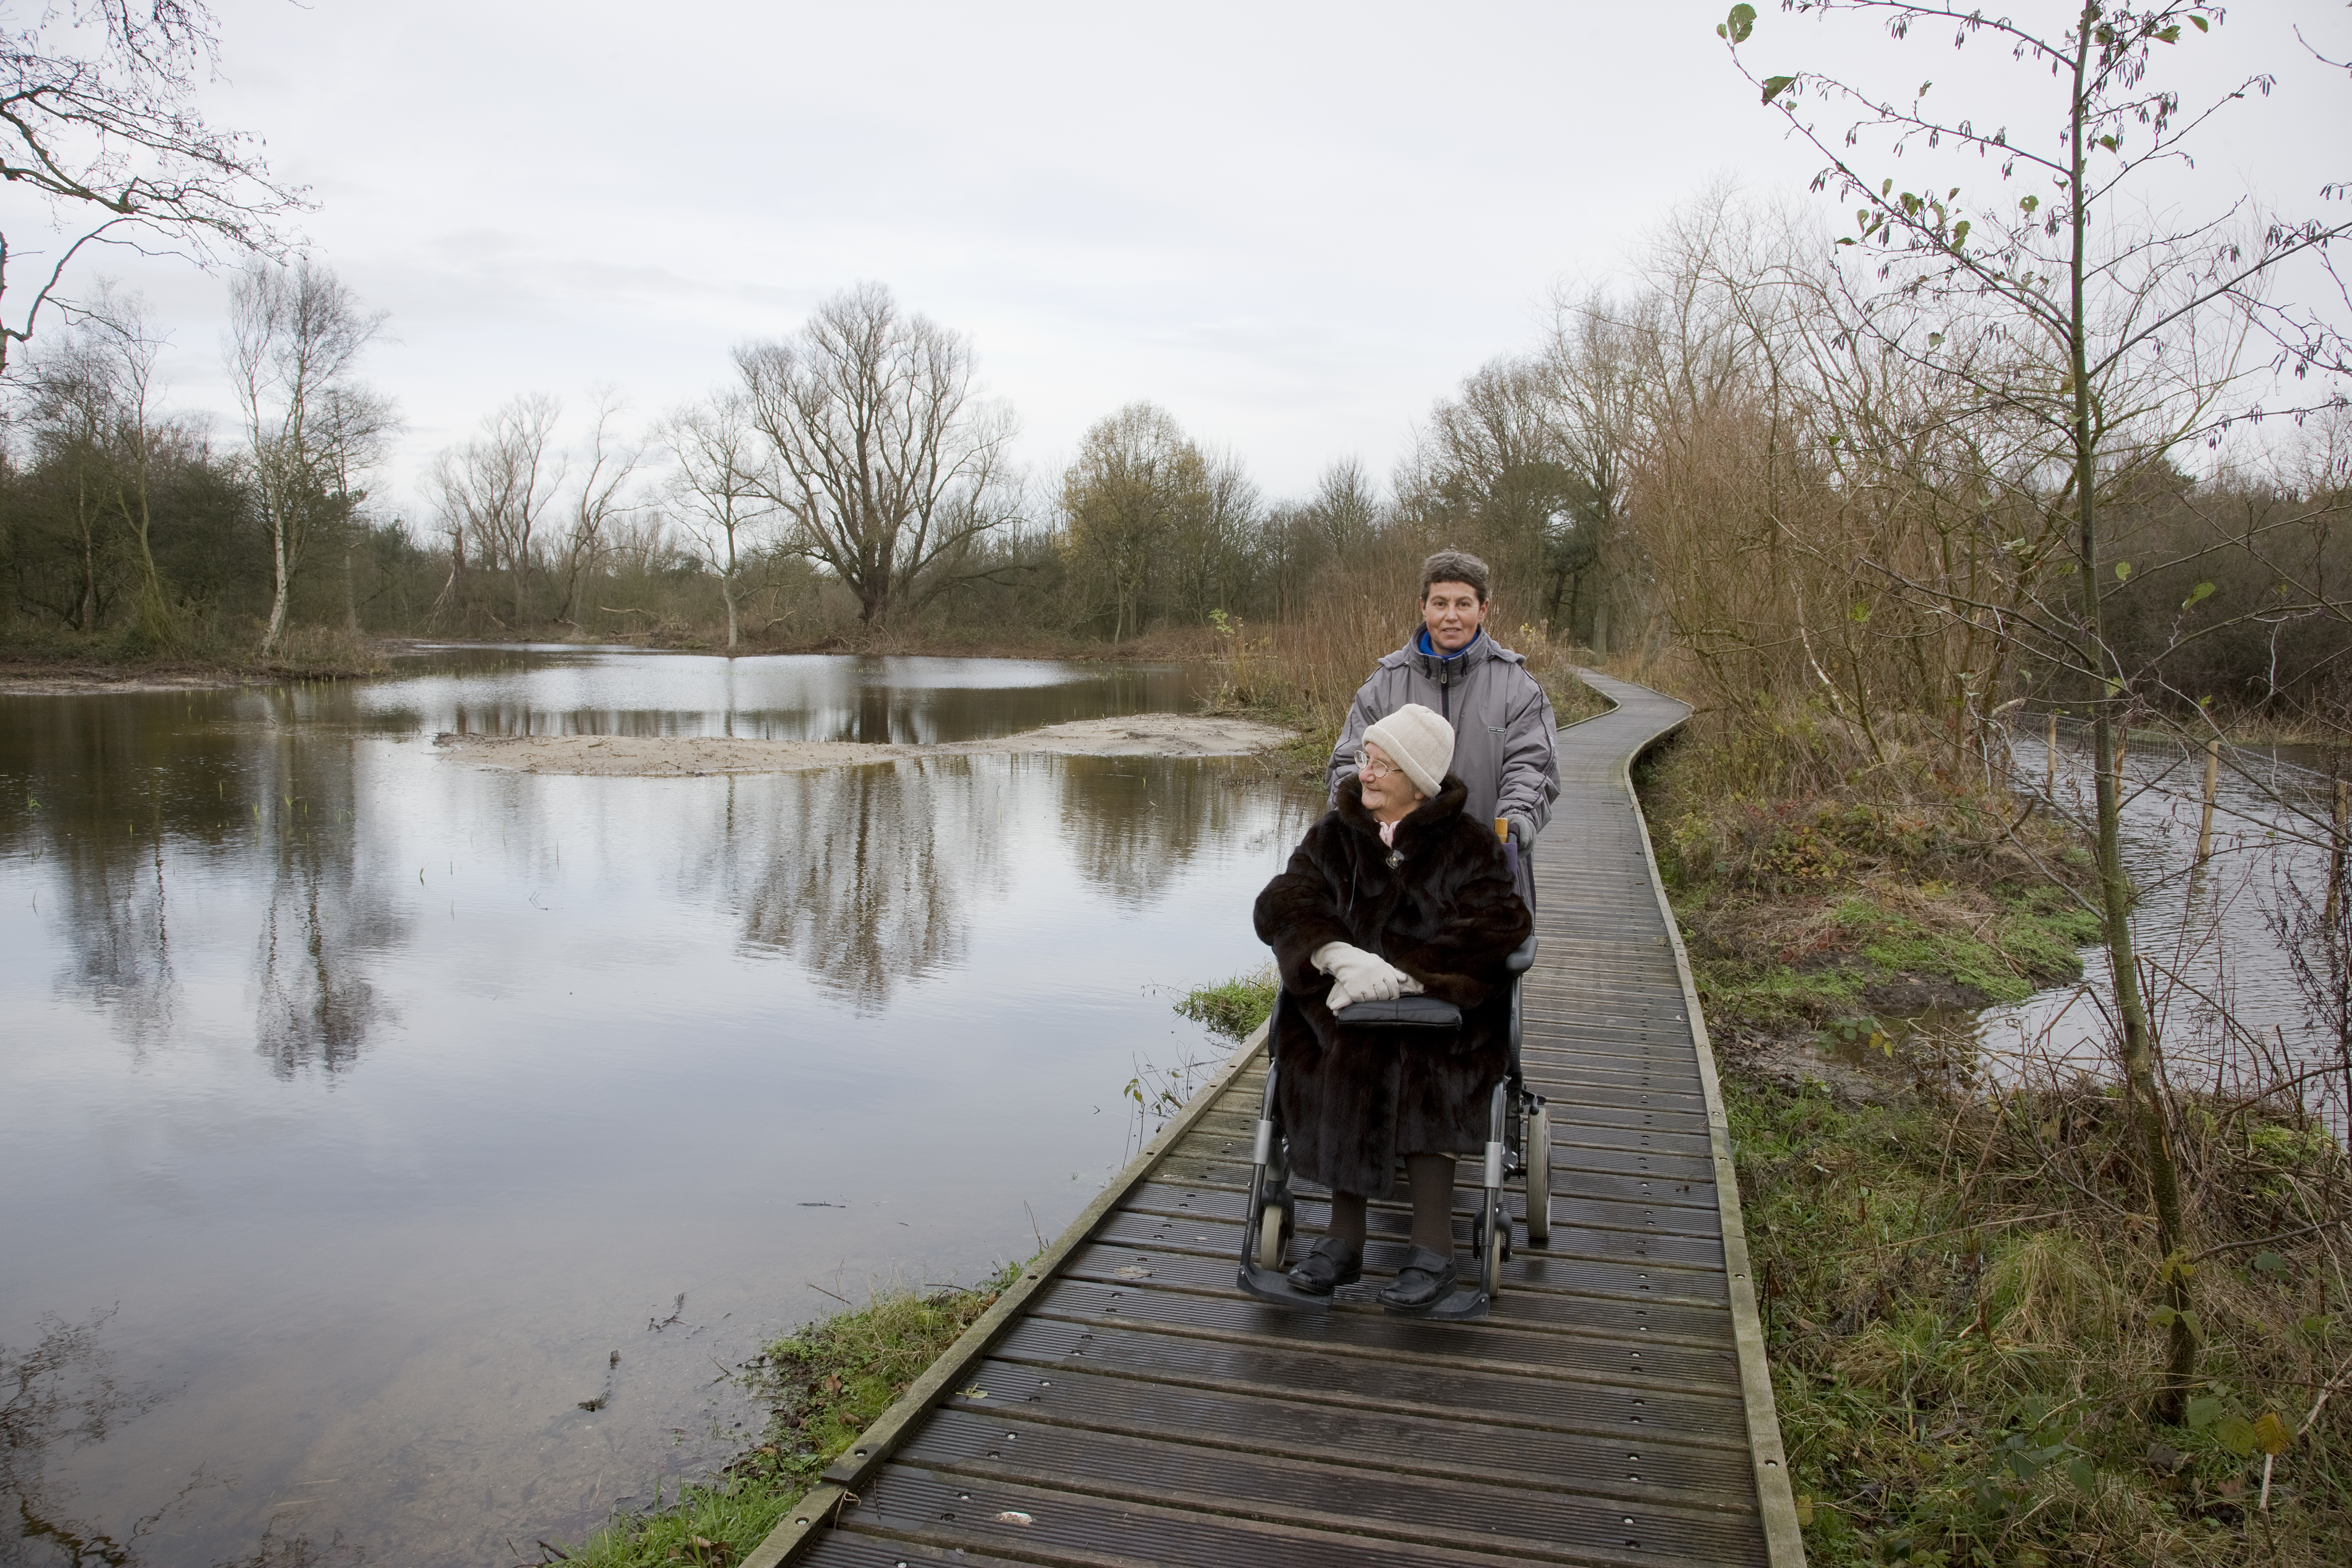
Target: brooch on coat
column 1396, row 859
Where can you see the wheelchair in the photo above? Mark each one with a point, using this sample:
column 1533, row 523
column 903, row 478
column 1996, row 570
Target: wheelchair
column 1518, row 1144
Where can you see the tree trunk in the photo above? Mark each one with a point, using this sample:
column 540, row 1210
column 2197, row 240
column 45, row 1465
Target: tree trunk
column 2114, row 883
column 282, row 567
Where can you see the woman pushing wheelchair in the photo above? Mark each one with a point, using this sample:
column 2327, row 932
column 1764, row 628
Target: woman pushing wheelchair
column 1396, row 892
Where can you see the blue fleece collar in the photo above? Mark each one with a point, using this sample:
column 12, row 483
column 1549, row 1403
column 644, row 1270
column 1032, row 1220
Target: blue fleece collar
column 1429, row 649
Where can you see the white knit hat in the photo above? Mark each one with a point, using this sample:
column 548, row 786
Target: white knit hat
column 1417, row 740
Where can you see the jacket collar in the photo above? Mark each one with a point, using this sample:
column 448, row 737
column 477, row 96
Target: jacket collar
column 1444, row 669
column 1424, row 822
column 1427, row 649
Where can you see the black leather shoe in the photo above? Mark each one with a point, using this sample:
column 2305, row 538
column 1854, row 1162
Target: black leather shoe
column 1426, row 1279
column 1329, row 1265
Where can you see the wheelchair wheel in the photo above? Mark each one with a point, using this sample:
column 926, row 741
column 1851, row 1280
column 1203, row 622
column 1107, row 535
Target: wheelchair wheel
column 1539, row 1177
column 1498, row 1246
column 1274, row 1228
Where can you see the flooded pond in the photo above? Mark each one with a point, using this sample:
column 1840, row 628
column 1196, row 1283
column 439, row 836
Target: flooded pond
column 2214, row 941
column 359, row 1105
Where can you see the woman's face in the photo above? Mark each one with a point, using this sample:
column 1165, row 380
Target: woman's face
column 1453, row 611
column 1389, row 795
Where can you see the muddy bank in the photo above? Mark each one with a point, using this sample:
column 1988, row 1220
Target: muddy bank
column 691, row 756
column 18, row 678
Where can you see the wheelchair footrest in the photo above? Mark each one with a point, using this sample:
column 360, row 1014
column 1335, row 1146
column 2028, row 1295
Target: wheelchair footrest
column 1466, row 1304
column 1275, row 1289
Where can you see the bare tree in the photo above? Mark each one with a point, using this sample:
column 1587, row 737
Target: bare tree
column 1346, row 510
column 295, row 338
column 516, row 450
column 97, row 119
column 1490, row 467
column 722, row 503
column 887, row 465
column 497, row 489
column 118, row 329
column 1592, row 363
column 599, row 502
column 1215, row 537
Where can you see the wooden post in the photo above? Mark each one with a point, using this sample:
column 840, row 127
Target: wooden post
column 2050, row 760
column 2205, row 822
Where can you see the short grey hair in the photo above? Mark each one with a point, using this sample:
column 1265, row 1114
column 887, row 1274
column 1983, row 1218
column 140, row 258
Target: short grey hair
column 1455, row 566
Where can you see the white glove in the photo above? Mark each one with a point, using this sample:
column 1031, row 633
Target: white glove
column 1360, row 976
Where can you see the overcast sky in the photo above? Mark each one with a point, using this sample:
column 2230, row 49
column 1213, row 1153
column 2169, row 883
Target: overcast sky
column 1291, row 224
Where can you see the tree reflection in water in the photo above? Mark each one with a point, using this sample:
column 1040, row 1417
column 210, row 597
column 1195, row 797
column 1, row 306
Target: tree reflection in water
column 867, row 876
column 1132, row 824
column 129, row 786
column 328, row 910
column 61, row 1395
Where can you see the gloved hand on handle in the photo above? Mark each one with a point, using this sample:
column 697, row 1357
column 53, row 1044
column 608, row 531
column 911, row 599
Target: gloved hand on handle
column 1360, row 976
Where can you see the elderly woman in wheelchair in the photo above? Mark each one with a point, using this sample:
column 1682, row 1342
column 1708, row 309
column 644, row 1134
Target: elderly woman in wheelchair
column 1399, row 936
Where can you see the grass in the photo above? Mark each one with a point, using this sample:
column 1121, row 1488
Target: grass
column 1959, row 1310
column 1820, row 892
column 1960, row 1297
column 1234, row 1007
column 823, row 1385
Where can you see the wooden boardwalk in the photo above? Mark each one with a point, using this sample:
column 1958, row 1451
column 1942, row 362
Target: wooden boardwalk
column 1124, row 1404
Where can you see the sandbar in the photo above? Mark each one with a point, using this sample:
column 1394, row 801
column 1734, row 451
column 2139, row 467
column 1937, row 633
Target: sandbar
column 698, row 756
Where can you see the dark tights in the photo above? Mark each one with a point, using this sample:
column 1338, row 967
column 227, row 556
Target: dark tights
column 1432, row 1176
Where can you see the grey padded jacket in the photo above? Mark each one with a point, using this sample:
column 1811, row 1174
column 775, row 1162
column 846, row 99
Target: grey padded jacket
column 1502, row 731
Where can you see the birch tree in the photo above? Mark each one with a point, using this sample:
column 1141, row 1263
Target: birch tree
column 722, row 501
column 295, row 339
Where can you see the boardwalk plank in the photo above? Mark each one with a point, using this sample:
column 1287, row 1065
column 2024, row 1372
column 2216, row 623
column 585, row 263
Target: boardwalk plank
column 1298, row 1367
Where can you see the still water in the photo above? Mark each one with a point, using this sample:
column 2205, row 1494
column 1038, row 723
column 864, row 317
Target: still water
column 2216, row 942
column 358, row 1106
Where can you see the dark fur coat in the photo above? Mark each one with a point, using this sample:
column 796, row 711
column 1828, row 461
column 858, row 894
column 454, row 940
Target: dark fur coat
column 1443, row 908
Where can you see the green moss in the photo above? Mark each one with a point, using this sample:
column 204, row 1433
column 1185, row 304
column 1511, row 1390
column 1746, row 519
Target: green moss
column 824, row 1385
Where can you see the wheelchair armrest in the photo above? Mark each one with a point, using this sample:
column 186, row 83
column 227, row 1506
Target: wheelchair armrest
column 1522, row 958
column 1409, row 1011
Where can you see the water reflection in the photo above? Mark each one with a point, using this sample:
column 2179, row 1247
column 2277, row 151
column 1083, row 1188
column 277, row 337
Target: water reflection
column 62, row 1395
column 341, row 1067
column 1130, row 824
column 913, row 701
column 2219, row 977
column 866, row 876
column 872, row 877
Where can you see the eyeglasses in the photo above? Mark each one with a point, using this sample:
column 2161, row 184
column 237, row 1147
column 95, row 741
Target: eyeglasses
column 1371, row 769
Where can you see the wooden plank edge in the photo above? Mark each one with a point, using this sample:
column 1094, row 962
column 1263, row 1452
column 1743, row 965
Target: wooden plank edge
column 838, row 1487
column 1784, row 1542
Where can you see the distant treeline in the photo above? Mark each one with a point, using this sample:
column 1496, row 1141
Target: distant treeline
column 1700, row 464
